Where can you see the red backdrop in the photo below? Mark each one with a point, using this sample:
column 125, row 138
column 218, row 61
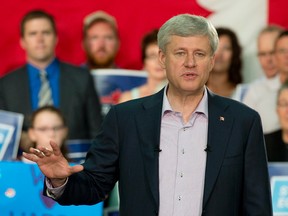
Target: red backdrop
column 135, row 18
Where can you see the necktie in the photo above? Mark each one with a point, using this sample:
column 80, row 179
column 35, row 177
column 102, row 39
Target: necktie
column 45, row 94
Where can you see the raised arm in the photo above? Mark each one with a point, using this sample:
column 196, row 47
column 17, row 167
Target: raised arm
column 52, row 163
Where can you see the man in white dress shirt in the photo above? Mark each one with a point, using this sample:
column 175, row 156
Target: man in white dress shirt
column 262, row 93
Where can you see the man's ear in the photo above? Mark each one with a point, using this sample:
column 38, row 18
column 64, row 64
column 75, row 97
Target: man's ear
column 162, row 59
column 212, row 61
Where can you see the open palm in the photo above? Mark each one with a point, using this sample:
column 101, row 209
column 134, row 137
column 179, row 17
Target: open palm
column 52, row 163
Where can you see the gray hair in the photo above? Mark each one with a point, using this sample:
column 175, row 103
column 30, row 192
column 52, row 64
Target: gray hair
column 186, row 25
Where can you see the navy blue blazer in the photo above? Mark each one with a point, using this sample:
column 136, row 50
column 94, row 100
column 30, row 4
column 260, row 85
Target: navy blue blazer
column 78, row 99
column 236, row 179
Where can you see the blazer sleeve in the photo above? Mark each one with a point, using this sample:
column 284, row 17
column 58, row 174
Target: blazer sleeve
column 256, row 194
column 93, row 184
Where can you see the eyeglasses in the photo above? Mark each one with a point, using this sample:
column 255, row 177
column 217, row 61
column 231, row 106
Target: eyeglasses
column 47, row 129
column 265, row 54
column 282, row 104
column 282, row 51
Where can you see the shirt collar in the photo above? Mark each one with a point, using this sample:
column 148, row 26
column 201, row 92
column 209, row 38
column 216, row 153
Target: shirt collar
column 201, row 108
column 49, row 69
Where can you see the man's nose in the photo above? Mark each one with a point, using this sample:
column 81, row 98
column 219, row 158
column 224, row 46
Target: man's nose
column 190, row 60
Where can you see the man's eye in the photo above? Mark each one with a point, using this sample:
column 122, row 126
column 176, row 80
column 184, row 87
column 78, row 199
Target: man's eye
column 199, row 54
column 180, row 53
column 47, row 33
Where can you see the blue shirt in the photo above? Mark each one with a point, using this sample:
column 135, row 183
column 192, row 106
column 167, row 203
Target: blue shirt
column 53, row 74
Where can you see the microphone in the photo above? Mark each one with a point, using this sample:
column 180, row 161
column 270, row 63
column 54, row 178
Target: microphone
column 157, row 150
column 207, row 149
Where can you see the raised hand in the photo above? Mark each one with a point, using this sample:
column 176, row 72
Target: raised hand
column 52, row 163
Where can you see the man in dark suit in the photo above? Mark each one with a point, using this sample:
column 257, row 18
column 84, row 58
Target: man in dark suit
column 182, row 151
column 71, row 87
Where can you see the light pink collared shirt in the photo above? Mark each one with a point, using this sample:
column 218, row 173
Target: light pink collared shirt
column 182, row 161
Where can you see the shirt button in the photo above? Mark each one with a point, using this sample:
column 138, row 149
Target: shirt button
column 183, row 151
column 179, row 198
column 186, row 128
column 181, row 174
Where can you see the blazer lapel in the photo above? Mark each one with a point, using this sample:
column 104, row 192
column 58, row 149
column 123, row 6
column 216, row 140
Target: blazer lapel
column 65, row 88
column 148, row 124
column 219, row 130
column 24, row 96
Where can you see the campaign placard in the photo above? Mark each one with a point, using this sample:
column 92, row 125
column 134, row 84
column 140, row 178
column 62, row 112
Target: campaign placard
column 21, row 194
column 10, row 133
column 279, row 187
column 110, row 83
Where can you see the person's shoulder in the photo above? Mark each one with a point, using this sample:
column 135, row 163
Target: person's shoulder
column 273, row 134
column 125, row 96
column 14, row 74
column 147, row 101
column 235, row 107
column 273, row 137
column 263, row 83
column 240, row 91
column 132, row 102
column 71, row 68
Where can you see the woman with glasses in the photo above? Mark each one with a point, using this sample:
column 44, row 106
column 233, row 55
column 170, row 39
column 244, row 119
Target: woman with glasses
column 47, row 123
column 277, row 142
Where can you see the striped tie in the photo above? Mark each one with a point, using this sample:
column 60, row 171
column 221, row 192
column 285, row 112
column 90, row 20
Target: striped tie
column 45, row 95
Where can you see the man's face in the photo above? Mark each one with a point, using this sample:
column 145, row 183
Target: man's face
column 188, row 62
column 39, row 41
column 101, row 45
column 266, row 53
column 281, row 55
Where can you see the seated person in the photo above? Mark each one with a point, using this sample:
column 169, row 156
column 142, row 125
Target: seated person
column 264, row 89
column 156, row 76
column 277, row 142
column 48, row 123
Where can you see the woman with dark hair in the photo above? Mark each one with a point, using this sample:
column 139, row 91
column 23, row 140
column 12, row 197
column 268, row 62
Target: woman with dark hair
column 156, row 76
column 226, row 74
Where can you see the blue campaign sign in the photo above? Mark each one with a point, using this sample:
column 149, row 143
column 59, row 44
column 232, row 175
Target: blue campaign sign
column 6, row 132
column 78, row 149
column 279, row 187
column 10, row 131
column 21, row 188
column 110, row 83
